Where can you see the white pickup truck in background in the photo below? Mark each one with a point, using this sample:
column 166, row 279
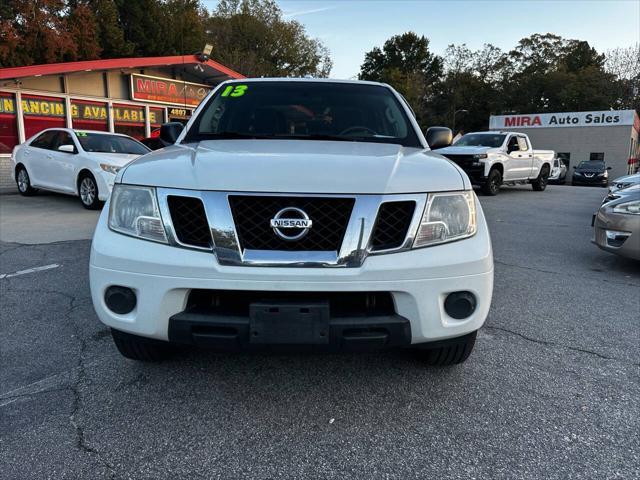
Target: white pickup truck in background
column 492, row 159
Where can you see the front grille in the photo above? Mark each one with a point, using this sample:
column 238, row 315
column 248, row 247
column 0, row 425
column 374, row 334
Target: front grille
column 461, row 160
column 392, row 225
column 190, row 221
column 236, row 303
column 252, row 216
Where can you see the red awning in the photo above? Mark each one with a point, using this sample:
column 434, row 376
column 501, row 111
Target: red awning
column 206, row 70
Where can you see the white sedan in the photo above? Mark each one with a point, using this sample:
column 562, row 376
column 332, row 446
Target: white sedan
column 75, row 162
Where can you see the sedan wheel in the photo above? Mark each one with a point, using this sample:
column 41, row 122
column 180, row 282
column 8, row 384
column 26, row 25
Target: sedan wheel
column 24, row 183
column 89, row 193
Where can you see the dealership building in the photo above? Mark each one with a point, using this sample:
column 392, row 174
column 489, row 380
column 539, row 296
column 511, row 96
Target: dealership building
column 133, row 96
column 611, row 136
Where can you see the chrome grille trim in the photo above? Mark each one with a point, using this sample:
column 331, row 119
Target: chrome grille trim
column 355, row 245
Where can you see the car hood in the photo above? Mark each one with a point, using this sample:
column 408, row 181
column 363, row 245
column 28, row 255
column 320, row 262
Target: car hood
column 117, row 159
column 295, row 166
column 635, row 178
column 453, row 150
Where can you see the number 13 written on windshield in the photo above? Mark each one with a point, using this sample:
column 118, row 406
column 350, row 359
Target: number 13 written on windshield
column 234, row 91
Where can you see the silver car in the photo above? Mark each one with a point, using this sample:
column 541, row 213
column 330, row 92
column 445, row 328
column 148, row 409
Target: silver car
column 616, row 225
column 624, row 182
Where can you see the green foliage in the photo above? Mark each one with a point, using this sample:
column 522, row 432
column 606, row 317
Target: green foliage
column 406, row 63
column 251, row 36
column 543, row 73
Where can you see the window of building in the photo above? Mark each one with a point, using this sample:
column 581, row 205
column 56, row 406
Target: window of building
column 41, row 113
column 8, row 123
column 596, row 156
column 87, row 115
column 129, row 119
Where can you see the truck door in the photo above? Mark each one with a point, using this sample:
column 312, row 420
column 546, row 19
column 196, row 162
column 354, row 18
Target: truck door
column 518, row 165
column 527, row 155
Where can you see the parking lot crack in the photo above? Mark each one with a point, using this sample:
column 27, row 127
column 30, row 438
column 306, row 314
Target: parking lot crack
column 559, row 345
column 81, row 442
column 524, row 267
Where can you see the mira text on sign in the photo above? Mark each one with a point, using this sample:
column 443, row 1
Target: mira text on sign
column 167, row 91
column 606, row 118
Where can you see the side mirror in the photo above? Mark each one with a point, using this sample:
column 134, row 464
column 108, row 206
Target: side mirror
column 438, row 137
column 512, row 148
column 67, row 148
column 608, row 168
column 169, row 132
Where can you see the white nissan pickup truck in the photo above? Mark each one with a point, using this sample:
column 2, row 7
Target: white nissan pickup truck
column 492, row 159
column 294, row 213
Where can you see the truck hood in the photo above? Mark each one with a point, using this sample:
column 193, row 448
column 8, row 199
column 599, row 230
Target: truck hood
column 453, row 150
column 295, row 166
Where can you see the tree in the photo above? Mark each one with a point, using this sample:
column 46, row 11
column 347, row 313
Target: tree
column 405, row 62
column 83, row 28
column 252, row 37
column 35, row 31
column 109, row 29
column 624, row 64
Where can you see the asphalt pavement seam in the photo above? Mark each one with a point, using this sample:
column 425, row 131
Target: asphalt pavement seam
column 30, row 270
column 560, row 345
column 563, row 273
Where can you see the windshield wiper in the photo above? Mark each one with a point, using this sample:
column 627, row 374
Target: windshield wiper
column 224, row 136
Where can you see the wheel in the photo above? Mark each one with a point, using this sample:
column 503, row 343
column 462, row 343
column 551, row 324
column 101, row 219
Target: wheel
column 24, row 182
column 540, row 183
column 88, row 192
column 140, row 348
column 492, row 185
column 449, row 352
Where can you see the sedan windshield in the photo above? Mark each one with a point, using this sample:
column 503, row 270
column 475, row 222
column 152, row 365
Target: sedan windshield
column 105, row 143
column 591, row 165
column 480, row 140
column 304, row 110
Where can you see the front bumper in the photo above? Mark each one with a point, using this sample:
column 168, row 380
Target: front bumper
column 626, row 242
column 163, row 276
column 105, row 181
column 595, row 181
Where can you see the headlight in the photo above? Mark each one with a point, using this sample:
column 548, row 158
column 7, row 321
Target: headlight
column 134, row 211
column 479, row 156
column 632, row 208
column 109, row 168
column 447, row 217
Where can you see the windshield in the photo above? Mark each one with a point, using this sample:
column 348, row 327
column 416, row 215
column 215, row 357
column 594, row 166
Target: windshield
column 304, row 110
column 480, row 140
column 592, row 165
column 104, row 143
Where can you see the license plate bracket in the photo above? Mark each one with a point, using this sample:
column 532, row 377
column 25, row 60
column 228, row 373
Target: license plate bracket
column 289, row 323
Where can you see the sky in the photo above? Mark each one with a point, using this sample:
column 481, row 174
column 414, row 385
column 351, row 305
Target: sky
column 350, row 28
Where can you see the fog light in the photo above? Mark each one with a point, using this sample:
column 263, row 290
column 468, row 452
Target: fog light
column 460, row 305
column 120, row 300
column 616, row 239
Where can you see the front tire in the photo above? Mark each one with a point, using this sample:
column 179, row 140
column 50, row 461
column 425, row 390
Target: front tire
column 449, row 352
column 540, row 183
column 24, row 182
column 140, row 348
column 88, row 192
column 492, row 186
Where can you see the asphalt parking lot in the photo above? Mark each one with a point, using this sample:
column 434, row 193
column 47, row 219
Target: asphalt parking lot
column 552, row 389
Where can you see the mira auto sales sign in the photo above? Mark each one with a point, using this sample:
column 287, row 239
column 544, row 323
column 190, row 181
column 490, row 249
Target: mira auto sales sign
column 607, row 118
column 167, row 91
